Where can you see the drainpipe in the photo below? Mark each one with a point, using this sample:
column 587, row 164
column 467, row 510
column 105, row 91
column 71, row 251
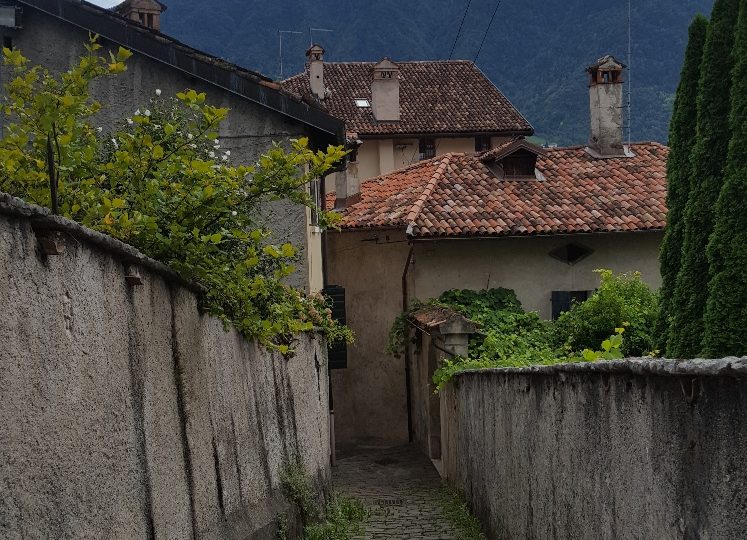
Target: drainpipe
column 405, row 306
column 325, row 282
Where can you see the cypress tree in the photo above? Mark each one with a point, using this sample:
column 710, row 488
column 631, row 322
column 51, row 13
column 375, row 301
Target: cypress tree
column 681, row 143
column 708, row 161
column 726, row 311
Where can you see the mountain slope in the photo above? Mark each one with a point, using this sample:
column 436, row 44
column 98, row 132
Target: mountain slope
column 535, row 52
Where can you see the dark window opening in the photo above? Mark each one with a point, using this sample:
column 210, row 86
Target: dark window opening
column 427, row 148
column 571, row 253
column 482, row 143
column 337, row 352
column 564, row 300
column 7, row 42
column 150, row 20
column 520, row 164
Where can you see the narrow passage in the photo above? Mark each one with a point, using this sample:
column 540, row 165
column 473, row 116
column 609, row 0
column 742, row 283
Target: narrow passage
column 400, row 487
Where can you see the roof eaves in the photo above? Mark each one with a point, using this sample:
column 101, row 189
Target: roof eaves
column 162, row 48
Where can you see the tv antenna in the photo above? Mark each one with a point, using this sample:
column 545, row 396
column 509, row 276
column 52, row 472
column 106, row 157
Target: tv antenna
column 280, row 39
column 630, row 88
column 311, row 34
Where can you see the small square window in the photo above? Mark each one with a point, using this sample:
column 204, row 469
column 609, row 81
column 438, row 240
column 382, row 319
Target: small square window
column 361, row 102
column 571, row 253
column 427, row 149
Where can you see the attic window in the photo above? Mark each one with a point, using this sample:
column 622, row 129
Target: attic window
column 360, row 102
column 427, row 148
column 571, row 253
column 482, row 143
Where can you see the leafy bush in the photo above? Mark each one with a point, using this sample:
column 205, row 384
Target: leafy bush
column 621, row 300
column 161, row 182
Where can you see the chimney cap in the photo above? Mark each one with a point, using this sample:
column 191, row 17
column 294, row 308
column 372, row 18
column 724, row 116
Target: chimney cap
column 607, row 62
column 315, row 49
column 134, row 4
column 386, row 64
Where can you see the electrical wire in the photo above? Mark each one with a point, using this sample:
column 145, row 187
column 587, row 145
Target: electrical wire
column 485, row 35
column 460, row 29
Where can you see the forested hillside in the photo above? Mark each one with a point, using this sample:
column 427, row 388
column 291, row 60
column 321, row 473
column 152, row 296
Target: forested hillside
column 535, row 51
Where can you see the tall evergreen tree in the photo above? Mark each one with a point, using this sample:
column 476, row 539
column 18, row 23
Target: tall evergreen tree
column 681, row 143
column 708, row 161
column 726, row 310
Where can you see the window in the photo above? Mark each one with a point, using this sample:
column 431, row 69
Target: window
column 482, row 143
column 564, row 300
column 427, row 148
column 361, row 102
column 520, row 164
column 571, row 253
column 7, row 42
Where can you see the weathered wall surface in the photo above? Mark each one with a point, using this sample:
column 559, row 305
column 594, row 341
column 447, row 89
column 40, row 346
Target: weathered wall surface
column 624, row 449
column 370, row 396
column 125, row 413
column 248, row 132
column 524, row 265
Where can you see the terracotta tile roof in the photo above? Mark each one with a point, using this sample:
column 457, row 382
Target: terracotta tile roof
column 456, row 195
column 436, row 97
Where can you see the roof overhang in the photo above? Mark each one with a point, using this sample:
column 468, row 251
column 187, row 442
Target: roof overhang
column 166, row 50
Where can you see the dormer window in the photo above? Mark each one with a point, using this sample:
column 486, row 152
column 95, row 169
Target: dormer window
column 482, row 143
column 360, row 102
column 515, row 160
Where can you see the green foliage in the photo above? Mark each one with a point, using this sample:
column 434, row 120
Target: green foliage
column 510, row 337
column 342, row 516
column 456, row 510
column 726, row 310
column 621, row 300
column 708, row 158
column 679, row 175
column 161, row 182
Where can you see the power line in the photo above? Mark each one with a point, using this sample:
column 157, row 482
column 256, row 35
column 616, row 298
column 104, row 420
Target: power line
column 485, row 35
column 630, row 79
column 460, row 29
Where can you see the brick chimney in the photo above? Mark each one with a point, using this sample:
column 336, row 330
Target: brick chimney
column 385, row 91
column 348, row 183
column 606, row 107
column 146, row 12
column 315, row 57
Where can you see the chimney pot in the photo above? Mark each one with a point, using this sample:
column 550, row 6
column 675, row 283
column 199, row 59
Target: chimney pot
column 385, row 91
column 606, row 107
column 315, row 56
column 146, row 12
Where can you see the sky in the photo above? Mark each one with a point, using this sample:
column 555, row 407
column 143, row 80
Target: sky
column 105, row 3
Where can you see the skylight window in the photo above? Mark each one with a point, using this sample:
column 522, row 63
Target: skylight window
column 360, row 102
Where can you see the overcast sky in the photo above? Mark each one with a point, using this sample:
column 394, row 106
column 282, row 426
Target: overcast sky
column 105, row 3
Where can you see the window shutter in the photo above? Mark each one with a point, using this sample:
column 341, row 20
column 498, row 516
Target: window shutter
column 337, row 352
column 561, row 301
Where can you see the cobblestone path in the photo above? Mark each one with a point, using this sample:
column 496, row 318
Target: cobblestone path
column 400, row 487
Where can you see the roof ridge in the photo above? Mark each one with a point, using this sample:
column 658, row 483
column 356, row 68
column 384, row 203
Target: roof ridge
column 417, row 208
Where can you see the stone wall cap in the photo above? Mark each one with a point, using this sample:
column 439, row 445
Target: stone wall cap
column 724, row 367
column 443, row 320
column 41, row 219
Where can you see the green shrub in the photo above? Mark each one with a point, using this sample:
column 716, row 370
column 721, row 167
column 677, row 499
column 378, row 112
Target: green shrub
column 621, row 300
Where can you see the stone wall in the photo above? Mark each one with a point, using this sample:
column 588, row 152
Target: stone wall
column 125, row 413
column 624, row 449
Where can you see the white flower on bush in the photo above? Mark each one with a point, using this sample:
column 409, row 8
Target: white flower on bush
column 211, row 154
column 115, row 143
column 190, row 136
column 137, row 112
column 234, row 213
column 129, row 121
column 193, row 145
column 224, row 158
column 99, row 129
column 158, row 91
column 147, row 112
column 216, row 141
column 228, row 152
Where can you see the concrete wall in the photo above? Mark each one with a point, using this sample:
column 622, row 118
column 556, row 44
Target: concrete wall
column 523, row 264
column 370, row 396
column 249, row 130
column 125, row 413
column 625, row 449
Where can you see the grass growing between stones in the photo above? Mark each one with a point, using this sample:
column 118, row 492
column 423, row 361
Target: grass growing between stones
column 455, row 508
column 341, row 518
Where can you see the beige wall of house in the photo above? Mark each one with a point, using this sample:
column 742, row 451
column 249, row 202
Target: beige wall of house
column 370, row 398
column 523, row 264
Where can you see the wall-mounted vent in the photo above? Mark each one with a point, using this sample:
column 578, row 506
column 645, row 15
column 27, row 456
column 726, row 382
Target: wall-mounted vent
column 571, row 253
